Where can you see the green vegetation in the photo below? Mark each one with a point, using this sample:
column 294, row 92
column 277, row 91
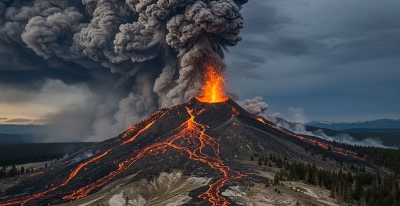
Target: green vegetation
column 383, row 157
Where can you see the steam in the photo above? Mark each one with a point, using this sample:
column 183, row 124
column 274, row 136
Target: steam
column 297, row 122
column 255, row 106
column 146, row 52
column 81, row 157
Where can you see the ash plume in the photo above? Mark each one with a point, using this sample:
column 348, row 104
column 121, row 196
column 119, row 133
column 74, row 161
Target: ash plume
column 146, row 53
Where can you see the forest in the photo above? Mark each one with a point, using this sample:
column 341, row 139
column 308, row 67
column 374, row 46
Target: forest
column 384, row 157
column 354, row 185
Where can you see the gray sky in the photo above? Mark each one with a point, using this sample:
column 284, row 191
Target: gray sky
column 325, row 59
column 335, row 60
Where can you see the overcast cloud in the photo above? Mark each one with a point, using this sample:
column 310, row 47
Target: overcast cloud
column 337, row 60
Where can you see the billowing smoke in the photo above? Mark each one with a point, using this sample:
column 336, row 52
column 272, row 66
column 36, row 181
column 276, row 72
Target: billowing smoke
column 148, row 53
column 255, row 106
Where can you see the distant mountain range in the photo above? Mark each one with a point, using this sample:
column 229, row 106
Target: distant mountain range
column 372, row 124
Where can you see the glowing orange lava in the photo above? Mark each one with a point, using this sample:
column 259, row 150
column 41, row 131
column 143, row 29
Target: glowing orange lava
column 213, row 90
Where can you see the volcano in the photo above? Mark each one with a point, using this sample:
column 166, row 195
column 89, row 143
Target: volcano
column 198, row 139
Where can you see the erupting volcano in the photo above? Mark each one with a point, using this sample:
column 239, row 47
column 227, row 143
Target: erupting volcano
column 206, row 137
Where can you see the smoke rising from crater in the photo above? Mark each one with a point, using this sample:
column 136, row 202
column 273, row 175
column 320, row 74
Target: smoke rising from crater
column 146, row 53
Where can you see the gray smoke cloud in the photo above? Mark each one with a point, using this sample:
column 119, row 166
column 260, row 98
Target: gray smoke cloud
column 255, row 106
column 146, row 53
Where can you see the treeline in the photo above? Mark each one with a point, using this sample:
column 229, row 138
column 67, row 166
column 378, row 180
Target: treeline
column 14, row 154
column 380, row 156
column 352, row 186
column 14, row 171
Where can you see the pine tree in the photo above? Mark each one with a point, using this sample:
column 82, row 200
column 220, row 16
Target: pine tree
column 13, row 171
column 333, row 191
column 276, row 179
column 279, row 162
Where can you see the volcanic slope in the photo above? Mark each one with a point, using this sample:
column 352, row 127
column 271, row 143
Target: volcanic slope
column 200, row 140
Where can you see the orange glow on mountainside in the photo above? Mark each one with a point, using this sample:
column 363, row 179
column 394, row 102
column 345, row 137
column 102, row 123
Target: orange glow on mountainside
column 213, row 90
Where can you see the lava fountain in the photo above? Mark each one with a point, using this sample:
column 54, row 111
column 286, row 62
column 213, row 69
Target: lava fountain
column 213, row 90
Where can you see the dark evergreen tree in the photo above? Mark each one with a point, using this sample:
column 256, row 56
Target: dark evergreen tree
column 276, row 179
column 279, row 162
column 13, row 171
